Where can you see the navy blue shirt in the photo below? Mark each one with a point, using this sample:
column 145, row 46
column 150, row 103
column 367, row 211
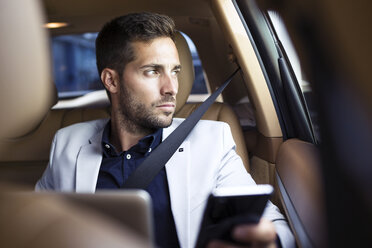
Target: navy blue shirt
column 116, row 168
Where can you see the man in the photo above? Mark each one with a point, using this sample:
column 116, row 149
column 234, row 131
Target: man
column 138, row 63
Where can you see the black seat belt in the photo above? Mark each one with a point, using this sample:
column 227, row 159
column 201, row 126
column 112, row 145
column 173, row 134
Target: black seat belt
column 152, row 165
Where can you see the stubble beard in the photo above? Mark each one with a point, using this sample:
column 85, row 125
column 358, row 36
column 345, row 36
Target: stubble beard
column 135, row 117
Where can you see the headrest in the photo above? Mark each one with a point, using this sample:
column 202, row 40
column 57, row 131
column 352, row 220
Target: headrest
column 26, row 88
column 187, row 74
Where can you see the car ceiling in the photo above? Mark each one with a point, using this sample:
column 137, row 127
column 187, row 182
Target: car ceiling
column 194, row 17
column 89, row 15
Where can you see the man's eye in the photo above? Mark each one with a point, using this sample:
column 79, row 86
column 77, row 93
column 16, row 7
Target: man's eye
column 176, row 72
column 151, row 72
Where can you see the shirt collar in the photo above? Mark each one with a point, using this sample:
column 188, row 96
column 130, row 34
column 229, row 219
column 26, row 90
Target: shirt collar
column 144, row 146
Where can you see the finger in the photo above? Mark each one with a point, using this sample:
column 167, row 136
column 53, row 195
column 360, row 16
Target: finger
column 263, row 232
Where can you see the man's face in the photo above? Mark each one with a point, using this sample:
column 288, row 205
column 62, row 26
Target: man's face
column 148, row 88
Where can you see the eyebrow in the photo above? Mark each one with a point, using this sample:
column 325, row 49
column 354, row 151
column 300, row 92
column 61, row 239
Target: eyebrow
column 178, row 67
column 157, row 66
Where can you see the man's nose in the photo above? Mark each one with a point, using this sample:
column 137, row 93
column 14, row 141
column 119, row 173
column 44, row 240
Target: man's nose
column 169, row 85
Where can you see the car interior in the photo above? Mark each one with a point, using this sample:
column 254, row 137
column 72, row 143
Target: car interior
column 264, row 106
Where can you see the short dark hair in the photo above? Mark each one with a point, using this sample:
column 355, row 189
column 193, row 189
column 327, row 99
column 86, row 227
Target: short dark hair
column 113, row 44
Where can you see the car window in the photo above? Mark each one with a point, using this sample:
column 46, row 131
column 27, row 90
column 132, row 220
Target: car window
column 286, row 95
column 283, row 36
column 74, row 65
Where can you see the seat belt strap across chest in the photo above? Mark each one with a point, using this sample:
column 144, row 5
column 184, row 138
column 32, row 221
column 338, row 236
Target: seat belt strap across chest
column 154, row 163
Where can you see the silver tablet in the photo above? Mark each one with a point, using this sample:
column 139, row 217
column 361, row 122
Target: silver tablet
column 131, row 208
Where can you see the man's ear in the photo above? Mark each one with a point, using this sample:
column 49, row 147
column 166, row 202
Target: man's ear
column 110, row 80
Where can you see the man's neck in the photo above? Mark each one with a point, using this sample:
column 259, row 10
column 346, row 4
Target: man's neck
column 124, row 137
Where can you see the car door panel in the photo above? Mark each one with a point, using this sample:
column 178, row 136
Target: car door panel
column 301, row 191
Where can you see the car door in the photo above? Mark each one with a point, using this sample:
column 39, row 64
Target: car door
column 333, row 39
column 297, row 160
column 324, row 183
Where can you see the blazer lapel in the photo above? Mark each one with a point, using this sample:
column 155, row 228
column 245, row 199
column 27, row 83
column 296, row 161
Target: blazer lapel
column 87, row 165
column 177, row 170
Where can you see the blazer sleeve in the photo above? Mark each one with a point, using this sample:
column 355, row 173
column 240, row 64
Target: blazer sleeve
column 46, row 181
column 231, row 170
column 233, row 173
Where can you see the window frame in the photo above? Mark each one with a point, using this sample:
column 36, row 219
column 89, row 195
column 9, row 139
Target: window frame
column 289, row 102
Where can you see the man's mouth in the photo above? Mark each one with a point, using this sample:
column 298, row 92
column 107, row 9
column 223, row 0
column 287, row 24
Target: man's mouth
column 169, row 107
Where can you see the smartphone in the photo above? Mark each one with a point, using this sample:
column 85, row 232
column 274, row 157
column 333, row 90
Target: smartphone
column 231, row 206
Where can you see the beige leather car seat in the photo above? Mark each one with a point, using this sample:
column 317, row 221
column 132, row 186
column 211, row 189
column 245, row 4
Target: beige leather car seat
column 216, row 112
column 25, row 86
column 23, row 159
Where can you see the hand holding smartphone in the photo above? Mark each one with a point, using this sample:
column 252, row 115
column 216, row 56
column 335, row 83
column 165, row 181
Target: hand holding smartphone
column 231, row 206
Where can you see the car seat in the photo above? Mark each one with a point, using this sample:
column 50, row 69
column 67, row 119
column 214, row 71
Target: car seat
column 26, row 96
column 24, row 156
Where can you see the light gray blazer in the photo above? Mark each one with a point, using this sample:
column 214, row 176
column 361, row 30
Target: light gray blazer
column 208, row 160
